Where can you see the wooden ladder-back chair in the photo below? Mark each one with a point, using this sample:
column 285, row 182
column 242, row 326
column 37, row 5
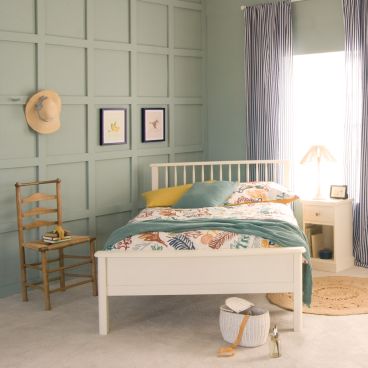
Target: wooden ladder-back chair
column 43, row 248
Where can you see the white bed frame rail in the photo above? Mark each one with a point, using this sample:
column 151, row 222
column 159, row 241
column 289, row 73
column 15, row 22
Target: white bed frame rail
column 240, row 171
column 225, row 271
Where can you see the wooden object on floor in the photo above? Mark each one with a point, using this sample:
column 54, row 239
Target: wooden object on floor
column 44, row 248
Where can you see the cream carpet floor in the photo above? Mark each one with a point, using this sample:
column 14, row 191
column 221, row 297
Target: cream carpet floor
column 165, row 332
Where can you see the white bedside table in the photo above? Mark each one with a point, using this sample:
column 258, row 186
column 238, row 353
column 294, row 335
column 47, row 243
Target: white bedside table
column 328, row 223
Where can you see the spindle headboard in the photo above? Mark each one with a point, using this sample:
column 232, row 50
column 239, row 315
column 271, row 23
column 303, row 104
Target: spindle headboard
column 176, row 173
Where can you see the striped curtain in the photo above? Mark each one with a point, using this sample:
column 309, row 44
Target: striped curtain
column 356, row 128
column 268, row 71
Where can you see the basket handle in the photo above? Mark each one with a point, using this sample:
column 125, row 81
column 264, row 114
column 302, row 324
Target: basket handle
column 227, row 351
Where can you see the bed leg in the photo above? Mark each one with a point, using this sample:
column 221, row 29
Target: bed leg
column 298, row 293
column 103, row 302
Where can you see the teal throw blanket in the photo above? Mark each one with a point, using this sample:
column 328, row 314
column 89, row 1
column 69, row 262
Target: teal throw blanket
column 278, row 232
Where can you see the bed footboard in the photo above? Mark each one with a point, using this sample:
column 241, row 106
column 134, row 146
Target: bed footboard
column 229, row 271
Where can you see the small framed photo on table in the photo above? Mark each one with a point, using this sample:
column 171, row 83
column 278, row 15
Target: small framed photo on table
column 113, row 126
column 339, row 191
column 153, row 124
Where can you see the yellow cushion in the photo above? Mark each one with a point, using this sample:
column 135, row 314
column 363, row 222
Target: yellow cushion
column 165, row 197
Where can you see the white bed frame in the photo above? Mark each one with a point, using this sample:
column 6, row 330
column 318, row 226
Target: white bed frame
column 227, row 271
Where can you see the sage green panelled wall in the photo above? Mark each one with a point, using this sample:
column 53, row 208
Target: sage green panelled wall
column 96, row 53
column 225, row 81
column 317, row 27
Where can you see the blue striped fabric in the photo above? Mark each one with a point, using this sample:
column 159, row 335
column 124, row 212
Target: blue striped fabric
column 268, row 71
column 356, row 128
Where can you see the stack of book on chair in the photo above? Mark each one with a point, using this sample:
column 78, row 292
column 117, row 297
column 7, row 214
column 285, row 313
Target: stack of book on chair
column 54, row 237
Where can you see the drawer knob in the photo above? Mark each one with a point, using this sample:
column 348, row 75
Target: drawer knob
column 317, row 214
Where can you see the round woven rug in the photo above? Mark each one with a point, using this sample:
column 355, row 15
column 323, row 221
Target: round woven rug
column 332, row 296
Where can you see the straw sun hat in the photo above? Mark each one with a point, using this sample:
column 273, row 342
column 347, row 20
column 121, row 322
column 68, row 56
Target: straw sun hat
column 43, row 111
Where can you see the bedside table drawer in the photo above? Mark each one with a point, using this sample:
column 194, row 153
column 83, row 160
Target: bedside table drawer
column 318, row 213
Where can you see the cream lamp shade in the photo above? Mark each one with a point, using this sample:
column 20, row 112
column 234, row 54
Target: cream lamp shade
column 317, row 154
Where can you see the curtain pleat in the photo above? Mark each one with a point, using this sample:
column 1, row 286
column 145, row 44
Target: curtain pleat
column 268, row 70
column 356, row 126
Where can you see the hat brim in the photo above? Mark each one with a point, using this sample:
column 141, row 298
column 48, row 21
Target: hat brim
column 33, row 118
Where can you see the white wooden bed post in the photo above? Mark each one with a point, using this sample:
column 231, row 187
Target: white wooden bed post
column 103, row 299
column 298, row 292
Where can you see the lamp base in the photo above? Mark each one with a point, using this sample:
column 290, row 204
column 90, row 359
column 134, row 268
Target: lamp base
column 318, row 197
column 318, row 193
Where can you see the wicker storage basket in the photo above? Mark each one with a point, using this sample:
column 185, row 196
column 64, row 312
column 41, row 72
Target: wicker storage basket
column 256, row 330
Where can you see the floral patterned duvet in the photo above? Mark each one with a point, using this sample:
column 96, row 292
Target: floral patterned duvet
column 204, row 239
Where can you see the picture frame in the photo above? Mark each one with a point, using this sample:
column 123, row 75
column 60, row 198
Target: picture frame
column 153, row 124
column 113, row 126
column 339, row 191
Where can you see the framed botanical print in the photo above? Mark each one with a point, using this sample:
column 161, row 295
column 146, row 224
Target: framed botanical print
column 113, row 126
column 153, row 124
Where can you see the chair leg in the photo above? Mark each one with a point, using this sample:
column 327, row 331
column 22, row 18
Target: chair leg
column 93, row 266
column 62, row 272
column 23, row 273
column 45, row 276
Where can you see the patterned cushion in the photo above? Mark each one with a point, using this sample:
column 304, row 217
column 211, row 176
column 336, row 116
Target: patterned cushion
column 260, row 192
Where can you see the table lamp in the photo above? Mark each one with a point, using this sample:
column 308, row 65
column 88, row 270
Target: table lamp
column 317, row 154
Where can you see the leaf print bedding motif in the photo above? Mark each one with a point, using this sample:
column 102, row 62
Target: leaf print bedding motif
column 180, row 242
column 220, row 239
column 151, row 237
column 204, row 239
